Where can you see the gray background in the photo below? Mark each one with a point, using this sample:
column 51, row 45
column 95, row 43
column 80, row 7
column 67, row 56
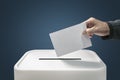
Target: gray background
column 25, row 25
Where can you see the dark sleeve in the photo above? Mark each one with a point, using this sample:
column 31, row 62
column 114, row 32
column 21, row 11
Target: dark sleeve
column 114, row 30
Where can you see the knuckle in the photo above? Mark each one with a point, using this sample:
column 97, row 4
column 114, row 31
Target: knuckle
column 92, row 18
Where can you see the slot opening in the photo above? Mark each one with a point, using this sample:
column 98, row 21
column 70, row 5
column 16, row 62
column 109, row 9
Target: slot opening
column 59, row 58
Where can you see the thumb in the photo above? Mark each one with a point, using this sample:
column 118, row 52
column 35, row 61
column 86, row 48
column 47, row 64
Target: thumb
column 90, row 31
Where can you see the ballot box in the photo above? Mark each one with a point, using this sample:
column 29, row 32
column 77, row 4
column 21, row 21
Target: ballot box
column 46, row 65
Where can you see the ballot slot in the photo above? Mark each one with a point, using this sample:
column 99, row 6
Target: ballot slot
column 59, row 58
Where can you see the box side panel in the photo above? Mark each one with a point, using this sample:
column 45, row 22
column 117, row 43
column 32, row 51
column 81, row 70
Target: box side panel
column 61, row 75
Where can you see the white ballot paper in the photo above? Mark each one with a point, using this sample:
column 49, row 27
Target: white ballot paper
column 70, row 39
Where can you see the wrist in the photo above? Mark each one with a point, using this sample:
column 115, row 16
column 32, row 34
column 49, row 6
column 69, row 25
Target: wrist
column 110, row 33
column 107, row 31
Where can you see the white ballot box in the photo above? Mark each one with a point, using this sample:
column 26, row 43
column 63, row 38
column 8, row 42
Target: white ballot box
column 45, row 65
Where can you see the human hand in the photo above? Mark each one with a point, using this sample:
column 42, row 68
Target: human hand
column 97, row 27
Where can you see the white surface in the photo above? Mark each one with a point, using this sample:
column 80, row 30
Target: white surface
column 90, row 67
column 31, row 61
column 70, row 39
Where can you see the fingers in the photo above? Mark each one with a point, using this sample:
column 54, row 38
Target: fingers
column 90, row 22
column 89, row 31
column 86, row 33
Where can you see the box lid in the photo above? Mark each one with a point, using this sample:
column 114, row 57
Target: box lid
column 48, row 60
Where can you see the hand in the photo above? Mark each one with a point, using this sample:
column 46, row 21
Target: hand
column 97, row 27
